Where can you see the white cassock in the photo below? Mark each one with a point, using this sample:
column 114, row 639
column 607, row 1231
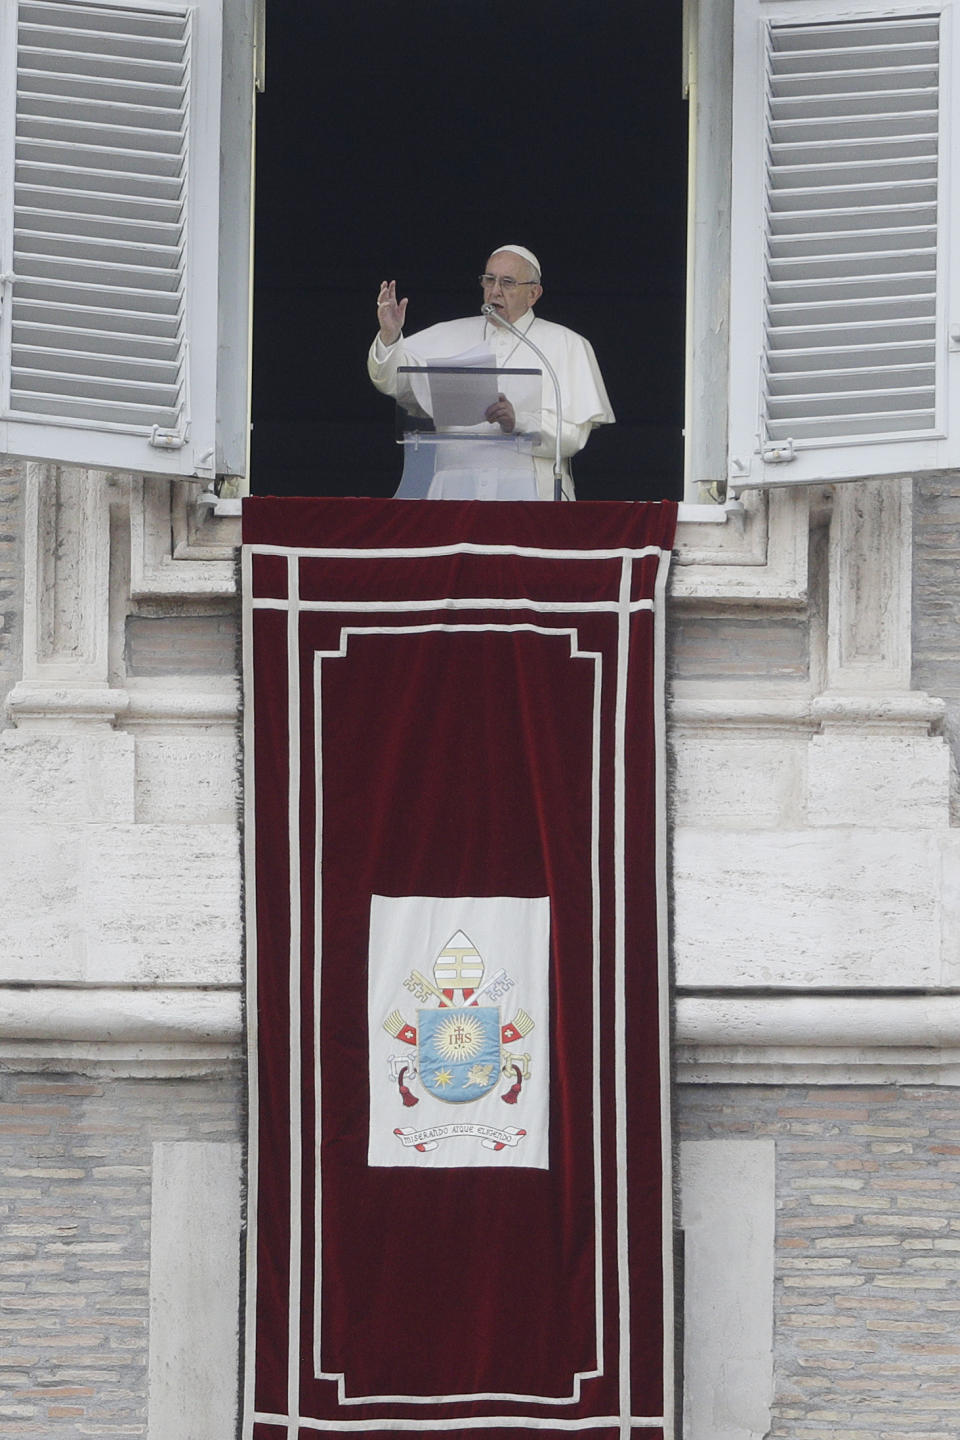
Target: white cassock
column 584, row 396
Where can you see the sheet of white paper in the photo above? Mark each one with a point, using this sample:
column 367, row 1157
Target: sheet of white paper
column 457, row 400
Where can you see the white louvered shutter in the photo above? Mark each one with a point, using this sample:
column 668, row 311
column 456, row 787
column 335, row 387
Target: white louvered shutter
column 841, row 358
column 109, row 182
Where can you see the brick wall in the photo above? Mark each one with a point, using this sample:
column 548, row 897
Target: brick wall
column 75, row 1162
column 867, row 1302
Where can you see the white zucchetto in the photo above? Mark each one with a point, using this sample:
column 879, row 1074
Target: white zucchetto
column 523, row 252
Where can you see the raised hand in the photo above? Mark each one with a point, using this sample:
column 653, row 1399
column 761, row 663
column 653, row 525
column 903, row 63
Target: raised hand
column 390, row 312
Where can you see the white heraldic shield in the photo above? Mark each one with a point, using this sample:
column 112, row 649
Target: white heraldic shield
column 458, row 1011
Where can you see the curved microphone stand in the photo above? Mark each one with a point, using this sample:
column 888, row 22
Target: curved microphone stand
column 492, row 313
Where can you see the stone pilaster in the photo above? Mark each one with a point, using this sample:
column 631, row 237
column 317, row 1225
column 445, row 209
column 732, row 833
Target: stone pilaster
column 66, row 603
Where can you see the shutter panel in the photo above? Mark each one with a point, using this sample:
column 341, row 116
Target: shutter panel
column 100, row 216
column 847, row 291
column 852, row 229
column 107, row 310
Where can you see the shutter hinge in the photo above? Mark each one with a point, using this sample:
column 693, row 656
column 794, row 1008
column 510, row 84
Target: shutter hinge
column 166, row 439
column 779, row 453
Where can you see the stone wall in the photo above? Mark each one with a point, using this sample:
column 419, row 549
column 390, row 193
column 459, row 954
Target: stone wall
column 11, row 576
column 866, row 1253
column 814, row 878
column 76, row 1283
column 812, row 845
column 936, row 604
column 121, row 1096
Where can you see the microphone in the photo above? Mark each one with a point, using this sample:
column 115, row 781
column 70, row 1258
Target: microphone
column 493, row 313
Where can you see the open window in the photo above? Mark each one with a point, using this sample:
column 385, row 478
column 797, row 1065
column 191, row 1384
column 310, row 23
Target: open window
column 405, row 139
column 125, row 202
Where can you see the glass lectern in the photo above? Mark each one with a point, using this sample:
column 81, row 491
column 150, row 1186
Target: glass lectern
column 451, row 451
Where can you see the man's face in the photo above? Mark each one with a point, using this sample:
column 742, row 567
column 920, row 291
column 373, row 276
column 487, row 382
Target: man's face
column 511, row 301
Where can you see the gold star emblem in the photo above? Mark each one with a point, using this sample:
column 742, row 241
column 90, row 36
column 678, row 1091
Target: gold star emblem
column 442, row 1079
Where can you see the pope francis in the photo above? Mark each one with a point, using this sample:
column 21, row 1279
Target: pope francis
column 511, row 287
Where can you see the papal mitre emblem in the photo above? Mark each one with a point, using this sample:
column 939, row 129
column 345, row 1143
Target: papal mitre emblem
column 459, row 966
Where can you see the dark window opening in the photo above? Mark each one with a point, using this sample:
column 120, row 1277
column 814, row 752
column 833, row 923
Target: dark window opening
column 404, row 139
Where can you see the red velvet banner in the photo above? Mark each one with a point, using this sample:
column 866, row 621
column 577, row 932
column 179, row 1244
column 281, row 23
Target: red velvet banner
column 459, row 1188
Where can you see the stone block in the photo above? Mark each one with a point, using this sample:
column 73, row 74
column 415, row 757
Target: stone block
column 194, row 1289
column 162, row 904
column 710, row 647
column 893, row 781
column 734, row 779
column 66, row 776
column 179, row 645
column 123, row 904
column 190, row 777
column 728, row 1207
column 848, row 908
column 950, row 911
column 40, row 933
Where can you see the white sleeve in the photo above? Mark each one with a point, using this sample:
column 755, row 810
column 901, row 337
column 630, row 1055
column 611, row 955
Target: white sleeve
column 573, row 437
column 382, row 362
column 584, row 397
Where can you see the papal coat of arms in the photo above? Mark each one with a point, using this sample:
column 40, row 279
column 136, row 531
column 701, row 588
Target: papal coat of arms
column 460, row 1048
column 458, row 1031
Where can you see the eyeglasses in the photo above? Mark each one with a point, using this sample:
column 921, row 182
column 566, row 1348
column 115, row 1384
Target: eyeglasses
column 506, row 282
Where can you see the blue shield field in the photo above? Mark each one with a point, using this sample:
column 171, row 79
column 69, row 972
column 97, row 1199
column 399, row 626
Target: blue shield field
column 459, row 1052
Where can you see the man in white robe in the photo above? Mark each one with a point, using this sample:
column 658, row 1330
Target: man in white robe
column 511, row 285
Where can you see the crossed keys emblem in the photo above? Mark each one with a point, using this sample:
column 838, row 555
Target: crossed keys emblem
column 461, row 1048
